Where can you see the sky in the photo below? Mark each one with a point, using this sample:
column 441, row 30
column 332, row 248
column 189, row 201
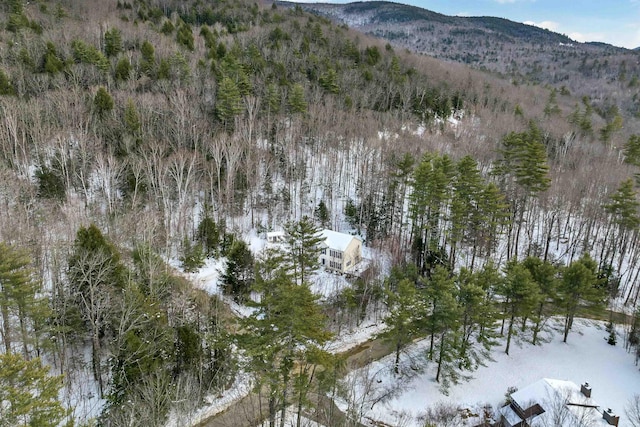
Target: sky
column 616, row 22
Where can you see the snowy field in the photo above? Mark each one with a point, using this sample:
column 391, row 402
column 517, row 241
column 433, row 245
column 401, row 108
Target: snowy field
column 585, row 357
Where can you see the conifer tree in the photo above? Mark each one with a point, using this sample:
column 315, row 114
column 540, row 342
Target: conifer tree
column 321, row 213
column 632, row 150
column 439, row 292
column 443, row 323
column 478, row 315
column 29, row 395
column 132, row 118
column 123, row 69
column 579, row 287
column 405, row 320
column 208, row 234
column 228, row 102
column 521, row 296
column 192, row 257
column 6, row 88
column 102, row 102
column 429, row 196
column 184, row 36
column 238, row 276
column 303, row 248
column 524, row 166
column 623, row 211
column 296, row 100
column 544, row 275
column 112, row 42
column 148, row 62
column 287, row 326
column 465, row 204
column 21, row 307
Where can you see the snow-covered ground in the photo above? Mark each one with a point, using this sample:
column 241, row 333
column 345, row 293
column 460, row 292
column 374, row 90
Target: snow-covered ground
column 585, row 357
column 350, row 339
column 214, row 404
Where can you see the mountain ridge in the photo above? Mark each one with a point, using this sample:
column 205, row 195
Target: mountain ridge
column 522, row 53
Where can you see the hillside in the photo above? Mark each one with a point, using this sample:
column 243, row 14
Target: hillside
column 522, row 53
column 143, row 139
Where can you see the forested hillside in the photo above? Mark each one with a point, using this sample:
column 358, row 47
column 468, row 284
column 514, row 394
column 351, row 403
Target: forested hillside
column 139, row 138
column 525, row 54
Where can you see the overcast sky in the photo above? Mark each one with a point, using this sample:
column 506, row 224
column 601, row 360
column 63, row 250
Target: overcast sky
column 616, row 22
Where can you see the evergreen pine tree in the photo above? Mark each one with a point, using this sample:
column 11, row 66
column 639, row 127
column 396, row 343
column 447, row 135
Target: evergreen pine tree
column 303, row 248
column 238, row 276
column 228, row 101
column 623, row 206
column 112, row 42
column 287, row 326
column 208, row 235
column 6, row 88
column 102, row 102
column 544, row 275
column 29, row 395
column 132, row 118
column 22, row 308
column 148, row 62
column 123, row 69
column 296, row 100
column 439, row 292
column 321, row 213
column 192, row 257
column 578, row 287
column 521, row 297
column 632, row 150
column 403, row 323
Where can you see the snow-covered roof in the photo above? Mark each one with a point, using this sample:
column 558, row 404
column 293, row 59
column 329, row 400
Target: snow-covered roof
column 547, row 388
column 336, row 240
column 549, row 394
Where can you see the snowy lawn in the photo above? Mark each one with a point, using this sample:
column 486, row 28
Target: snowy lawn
column 585, row 357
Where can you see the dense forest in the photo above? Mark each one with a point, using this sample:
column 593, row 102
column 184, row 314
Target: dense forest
column 140, row 138
column 524, row 54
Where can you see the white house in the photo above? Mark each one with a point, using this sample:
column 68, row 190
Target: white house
column 275, row 237
column 550, row 402
column 339, row 252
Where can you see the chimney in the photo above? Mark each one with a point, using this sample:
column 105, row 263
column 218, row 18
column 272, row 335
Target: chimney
column 610, row 418
column 585, row 389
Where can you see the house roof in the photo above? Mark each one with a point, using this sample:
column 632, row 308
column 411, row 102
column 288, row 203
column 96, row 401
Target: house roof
column 546, row 388
column 336, row 240
column 548, row 393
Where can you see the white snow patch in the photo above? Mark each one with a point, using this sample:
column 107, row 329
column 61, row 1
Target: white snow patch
column 352, row 338
column 327, row 284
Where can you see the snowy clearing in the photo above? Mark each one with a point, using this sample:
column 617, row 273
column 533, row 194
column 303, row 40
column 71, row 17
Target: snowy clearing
column 585, row 357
